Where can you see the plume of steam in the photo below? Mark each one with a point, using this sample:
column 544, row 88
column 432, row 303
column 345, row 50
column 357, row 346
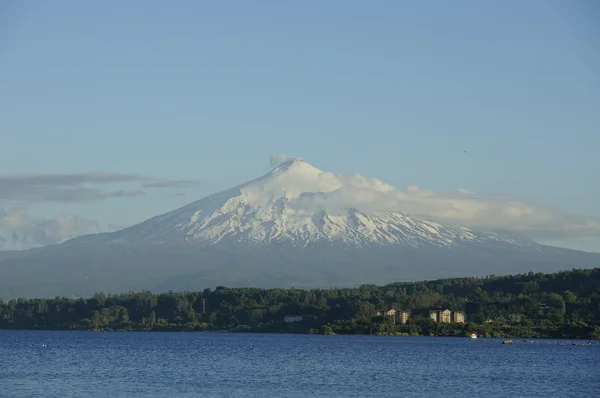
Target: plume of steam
column 276, row 160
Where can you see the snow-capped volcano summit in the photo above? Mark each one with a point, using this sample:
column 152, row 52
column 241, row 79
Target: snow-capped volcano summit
column 297, row 204
column 294, row 226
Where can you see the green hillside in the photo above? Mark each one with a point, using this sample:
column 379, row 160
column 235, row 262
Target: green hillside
column 558, row 305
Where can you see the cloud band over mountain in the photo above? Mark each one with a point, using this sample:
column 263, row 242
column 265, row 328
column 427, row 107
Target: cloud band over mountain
column 462, row 207
column 78, row 187
column 494, row 213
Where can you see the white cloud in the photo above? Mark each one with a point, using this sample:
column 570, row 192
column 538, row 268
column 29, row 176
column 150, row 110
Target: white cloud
column 460, row 207
column 20, row 230
column 495, row 213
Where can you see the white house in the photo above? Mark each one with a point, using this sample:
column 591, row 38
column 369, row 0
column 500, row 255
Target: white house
column 292, row 318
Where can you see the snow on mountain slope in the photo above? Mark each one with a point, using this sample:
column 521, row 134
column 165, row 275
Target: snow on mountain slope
column 300, row 205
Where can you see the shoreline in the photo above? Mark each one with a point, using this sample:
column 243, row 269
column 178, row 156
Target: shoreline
column 466, row 337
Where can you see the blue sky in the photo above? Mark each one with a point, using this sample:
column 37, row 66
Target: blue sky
column 207, row 91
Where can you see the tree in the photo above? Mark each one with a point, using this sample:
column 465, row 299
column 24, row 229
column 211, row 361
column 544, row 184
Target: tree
column 569, row 297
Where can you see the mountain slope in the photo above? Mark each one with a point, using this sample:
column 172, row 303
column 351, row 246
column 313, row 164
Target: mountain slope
column 295, row 226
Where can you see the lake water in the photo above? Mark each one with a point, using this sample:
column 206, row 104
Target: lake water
column 127, row 364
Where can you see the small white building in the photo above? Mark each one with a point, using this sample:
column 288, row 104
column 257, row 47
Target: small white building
column 292, row 318
column 391, row 312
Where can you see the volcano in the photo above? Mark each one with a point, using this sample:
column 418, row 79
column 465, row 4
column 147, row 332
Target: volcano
column 295, row 226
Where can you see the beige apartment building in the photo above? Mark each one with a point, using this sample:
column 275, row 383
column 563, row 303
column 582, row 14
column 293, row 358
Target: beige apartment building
column 447, row 316
column 458, row 317
column 404, row 316
column 435, row 315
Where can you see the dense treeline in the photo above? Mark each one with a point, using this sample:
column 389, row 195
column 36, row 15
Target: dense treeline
column 563, row 304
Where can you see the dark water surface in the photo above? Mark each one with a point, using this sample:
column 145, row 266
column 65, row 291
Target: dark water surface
column 128, row 364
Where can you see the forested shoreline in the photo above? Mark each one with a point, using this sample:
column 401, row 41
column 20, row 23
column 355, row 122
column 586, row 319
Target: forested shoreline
column 558, row 305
